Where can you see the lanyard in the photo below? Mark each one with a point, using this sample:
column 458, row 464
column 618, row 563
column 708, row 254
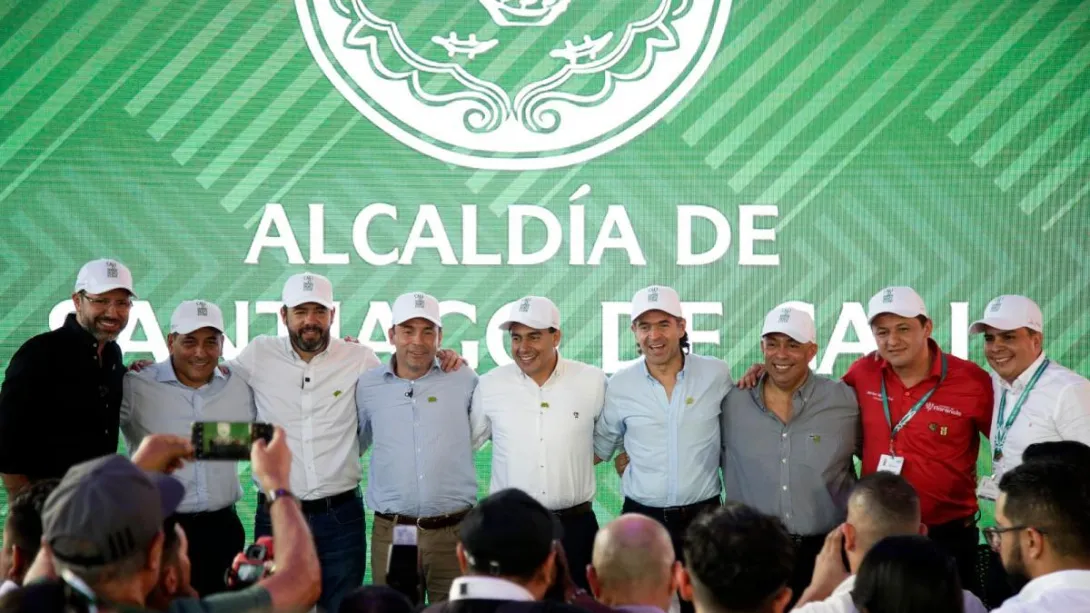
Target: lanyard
column 893, row 430
column 1002, row 427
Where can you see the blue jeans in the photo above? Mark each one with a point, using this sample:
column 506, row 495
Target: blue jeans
column 341, row 541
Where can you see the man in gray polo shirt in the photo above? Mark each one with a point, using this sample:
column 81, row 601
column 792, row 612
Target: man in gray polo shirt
column 166, row 398
column 788, row 442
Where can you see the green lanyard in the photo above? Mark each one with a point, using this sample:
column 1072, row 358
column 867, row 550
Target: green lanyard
column 893, row 430
column 1002, row 427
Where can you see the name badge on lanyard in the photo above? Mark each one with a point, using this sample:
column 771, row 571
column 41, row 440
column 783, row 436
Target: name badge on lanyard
column 891, row 462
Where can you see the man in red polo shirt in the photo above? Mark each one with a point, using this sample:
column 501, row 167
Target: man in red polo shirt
column 923, row 412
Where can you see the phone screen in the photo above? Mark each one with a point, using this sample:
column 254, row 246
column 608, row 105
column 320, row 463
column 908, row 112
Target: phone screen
column 227, row 440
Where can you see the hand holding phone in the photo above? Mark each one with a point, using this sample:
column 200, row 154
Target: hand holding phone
column 228, row 440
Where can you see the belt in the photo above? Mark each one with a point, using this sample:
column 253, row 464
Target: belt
column 320, row 505
column 579, row 509
column 425, row 523
column 227, row 510
column 684, row 512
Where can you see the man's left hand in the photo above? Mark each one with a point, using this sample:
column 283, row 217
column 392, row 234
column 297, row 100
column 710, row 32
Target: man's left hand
column 449, row 360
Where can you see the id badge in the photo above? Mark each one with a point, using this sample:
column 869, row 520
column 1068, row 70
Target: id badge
column 405, row 535
column 988, row 488
column 890, row 464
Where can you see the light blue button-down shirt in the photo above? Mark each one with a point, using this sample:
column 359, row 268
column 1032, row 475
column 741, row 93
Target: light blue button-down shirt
column 422, row 458
column 673, row 444
column 155, row 402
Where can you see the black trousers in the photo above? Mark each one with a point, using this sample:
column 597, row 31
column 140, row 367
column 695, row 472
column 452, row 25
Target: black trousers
column 676, row 520
column 960, row 539
column 215, row 538
column 807, row 549
column 579, row 532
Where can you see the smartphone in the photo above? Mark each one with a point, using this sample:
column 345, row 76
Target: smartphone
column 228, row 440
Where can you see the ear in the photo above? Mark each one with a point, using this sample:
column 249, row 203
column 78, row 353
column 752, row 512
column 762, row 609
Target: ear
column 173, row 336
column 594, row 583
column 923, row 529
column 284, row 314
column 675, row 575
column 463, row 563
column 556, row 341
column 549, row 568
column 390, row 335
column 779, row 602
column 439, row 338
column 684, row 582
column 1036, row 547
column 75, row 300
column 851, row 537
column 811, row 351
column 682, row 323
column 928, row 327
column 155, row 553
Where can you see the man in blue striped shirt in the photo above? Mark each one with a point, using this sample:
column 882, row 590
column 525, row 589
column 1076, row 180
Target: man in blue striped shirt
column 416, row 417
column 665, row 408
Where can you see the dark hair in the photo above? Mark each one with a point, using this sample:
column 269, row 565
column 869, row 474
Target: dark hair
column 739, row 559
column 1066, row 452
column 25, row 515
column 888, row 498
column 375, row 599
column 908, row 574
column 1054, row 498
column 49, row 596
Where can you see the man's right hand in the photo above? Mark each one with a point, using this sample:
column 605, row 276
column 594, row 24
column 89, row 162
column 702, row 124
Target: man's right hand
column 752, row 376
column 620, row 463
column 271, row 463
column 162, row 453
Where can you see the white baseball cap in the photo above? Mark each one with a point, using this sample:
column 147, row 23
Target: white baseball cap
column 534, row 312
column 656, row 298
column 416, row 304
column 1010, row 313
column 898, row 300
column 793, row 322
column 101, row 276
column 308, row 287
column 195, row 314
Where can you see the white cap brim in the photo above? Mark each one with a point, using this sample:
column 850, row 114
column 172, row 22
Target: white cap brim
column 999, row 323
column 793, row 334
column 292, row 304
column 188, row 328
column 638, row 314
column 437, row 322
column 105, row 287
column 536, row 324
column 910, row 313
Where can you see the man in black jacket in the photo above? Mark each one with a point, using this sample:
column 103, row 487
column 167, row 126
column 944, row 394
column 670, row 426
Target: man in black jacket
column 61, row 398
column 507, row 552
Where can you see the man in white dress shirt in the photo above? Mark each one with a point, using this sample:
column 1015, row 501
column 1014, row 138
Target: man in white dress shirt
column 1036, row 399
column 540, row 413
column 166, row 398
column 881, row 505
column 1043, row 536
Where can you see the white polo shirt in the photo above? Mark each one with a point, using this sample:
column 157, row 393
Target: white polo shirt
column 840, row 601
column 542, row 436
column 1066, row 591
column 1057, row 409
column 315, row 403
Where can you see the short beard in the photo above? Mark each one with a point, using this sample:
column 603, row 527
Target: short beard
column 1017, row 577
column 92, row 328
column 314, row 347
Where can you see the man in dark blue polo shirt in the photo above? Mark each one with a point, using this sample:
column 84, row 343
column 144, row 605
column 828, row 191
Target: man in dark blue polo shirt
column 61, row 397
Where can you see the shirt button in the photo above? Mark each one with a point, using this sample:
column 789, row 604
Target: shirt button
column 783, row 461
column 785, row 488
column 784, row 435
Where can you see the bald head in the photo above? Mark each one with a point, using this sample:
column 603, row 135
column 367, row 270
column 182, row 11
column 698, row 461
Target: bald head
column 881, row 505
column 633, row 562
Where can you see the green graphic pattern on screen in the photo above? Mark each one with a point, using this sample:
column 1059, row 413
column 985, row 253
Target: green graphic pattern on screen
column 772, row 151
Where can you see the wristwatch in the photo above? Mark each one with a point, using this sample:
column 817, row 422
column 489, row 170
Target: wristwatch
column 275, row 495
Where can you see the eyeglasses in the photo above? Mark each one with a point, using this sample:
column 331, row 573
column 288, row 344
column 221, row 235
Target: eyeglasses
column 994, row 535
column 105, row 303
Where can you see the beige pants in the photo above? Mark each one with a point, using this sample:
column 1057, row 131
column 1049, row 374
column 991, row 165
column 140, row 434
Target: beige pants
column 438, row 560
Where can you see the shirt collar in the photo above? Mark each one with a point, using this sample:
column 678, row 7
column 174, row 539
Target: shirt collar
column 285, row 343
column 1023, row 379
column 685, row 362
column 1063, row 579
column 388, row 369
column 558, row 371
column 802, row 393
column 487, row 588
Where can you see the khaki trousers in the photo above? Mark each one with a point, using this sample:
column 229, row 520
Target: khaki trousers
column 438, row 560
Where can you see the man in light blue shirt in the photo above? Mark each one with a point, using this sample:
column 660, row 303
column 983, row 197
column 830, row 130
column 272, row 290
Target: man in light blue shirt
column 166, row 398
column 665, row 409
column 416, row 418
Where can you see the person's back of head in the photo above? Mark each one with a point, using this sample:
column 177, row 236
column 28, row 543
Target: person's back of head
column 633, row 563
column 1072, row 453
column 880, row 505
column 907, row 574
column 175, row 570
column 50, row 596
column 1042, row 523
column 737, row 560
column 23, row 530
column 376, row 599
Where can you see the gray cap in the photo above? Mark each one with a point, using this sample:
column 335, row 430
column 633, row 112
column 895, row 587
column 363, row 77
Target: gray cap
column 106, row 509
